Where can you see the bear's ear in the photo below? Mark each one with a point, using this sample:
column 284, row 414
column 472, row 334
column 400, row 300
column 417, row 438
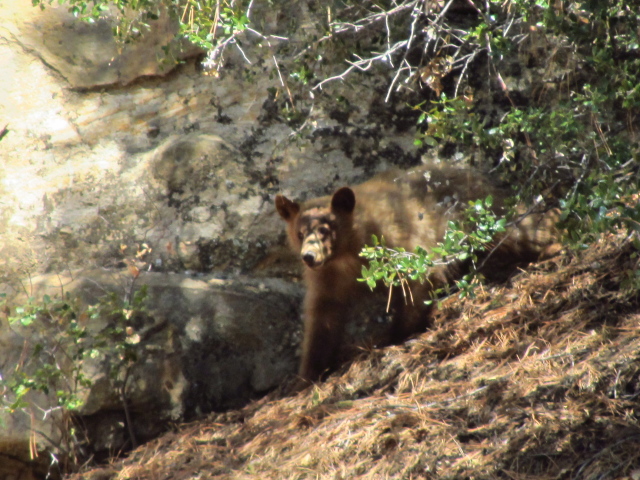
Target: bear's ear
column 286, row 208
column 343, row 201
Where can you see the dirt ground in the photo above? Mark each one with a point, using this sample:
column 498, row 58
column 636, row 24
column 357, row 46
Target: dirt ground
column 535, row 379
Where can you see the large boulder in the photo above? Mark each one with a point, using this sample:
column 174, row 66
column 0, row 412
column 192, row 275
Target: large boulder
column 86, row 55
column 203, row 344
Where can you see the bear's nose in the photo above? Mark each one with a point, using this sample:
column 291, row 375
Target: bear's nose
column 309, row 258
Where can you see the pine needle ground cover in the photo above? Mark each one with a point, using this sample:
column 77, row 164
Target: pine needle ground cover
column 535, row 379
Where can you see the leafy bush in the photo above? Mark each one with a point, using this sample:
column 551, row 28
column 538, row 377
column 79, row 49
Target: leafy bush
column 574, row 135
column 56, row 344
column 463, row 241
column 60, row 336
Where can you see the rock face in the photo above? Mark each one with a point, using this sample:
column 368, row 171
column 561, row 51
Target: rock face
column 204, row 344
column 106, row 152
column 84, row 55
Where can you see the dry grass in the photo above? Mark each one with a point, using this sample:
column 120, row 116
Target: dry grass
column 539, row 379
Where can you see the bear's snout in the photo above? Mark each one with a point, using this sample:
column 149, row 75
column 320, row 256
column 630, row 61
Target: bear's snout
column 315, row 249
column 309, row 258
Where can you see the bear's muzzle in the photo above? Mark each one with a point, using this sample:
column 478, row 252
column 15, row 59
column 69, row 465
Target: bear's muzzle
column 314, row 252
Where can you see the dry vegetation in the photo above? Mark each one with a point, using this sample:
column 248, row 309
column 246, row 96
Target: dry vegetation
column 538, row 379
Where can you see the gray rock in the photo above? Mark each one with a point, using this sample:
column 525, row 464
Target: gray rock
column 86, row 54
column 205, row 344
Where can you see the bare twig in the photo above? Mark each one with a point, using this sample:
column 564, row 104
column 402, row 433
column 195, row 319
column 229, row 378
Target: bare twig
column 442, row 13
column 396, row 76
column 127, row 413
column 340, row 27
column 364, row 64
column 275, row 62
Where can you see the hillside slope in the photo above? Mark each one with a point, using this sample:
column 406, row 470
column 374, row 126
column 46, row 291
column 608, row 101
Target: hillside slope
column 536, row 379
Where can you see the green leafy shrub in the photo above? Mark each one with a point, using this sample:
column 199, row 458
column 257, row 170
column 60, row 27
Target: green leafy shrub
column 56, row 343
column 59, row 337
column 576, row 141
column 463, row 241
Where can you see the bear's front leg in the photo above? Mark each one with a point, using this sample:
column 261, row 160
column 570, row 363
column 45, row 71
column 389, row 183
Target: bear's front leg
column 324, row 320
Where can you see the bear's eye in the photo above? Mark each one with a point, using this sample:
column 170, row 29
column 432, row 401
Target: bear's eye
column 324, row 231
column 300, row 235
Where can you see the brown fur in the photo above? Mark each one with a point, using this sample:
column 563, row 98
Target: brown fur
column 407, row 209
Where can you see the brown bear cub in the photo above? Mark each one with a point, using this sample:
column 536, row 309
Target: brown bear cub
column 407, row 209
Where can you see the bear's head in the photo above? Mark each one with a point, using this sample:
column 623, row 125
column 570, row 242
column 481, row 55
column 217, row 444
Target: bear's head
column 315, row 231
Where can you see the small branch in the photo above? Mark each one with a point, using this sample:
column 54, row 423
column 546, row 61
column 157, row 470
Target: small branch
column 469, row 58
column 395, row 79
column 504, row 88
column 4, row 131
column 127, row 414
column 363, row 64
column 442, row 13
column 341, row 27
column 335, row 77
column 246, row 59
column 275, row 62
